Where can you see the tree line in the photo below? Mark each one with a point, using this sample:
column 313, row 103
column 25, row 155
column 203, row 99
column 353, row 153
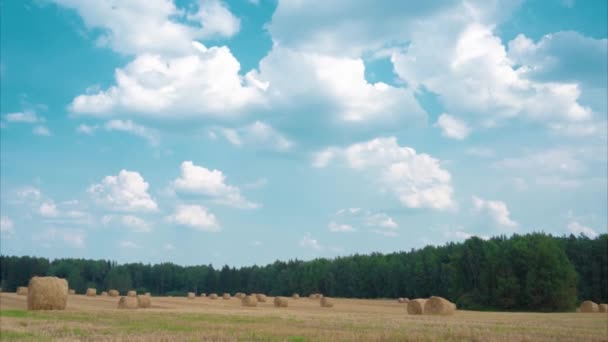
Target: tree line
column 533, row 272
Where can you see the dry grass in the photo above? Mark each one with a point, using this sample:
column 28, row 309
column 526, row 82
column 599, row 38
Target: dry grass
column 174, row 319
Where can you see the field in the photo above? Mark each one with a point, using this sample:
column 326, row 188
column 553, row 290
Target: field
column 202, row 319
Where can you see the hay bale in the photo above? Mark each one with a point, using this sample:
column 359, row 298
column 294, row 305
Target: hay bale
column 191, row 295
column 113, row 293
column 104, row 293
column 403, row 300
column 602, row 307
column 295, row 296
column 249, row 301
column 127, row 302
column 260, row 297
column 148, row 294
column 589, row 306
column 203, row 295
column 143, row 301
column 132, row 293
column 315, row 296
column 226, row 296
column 280, row 302
column 47, row 293
column 213, row 296
column 326, row 303
column 22, row 291
column 91, row 292
column 439, row 306
column 240, row 295
column 71, row 291
column 416, row 306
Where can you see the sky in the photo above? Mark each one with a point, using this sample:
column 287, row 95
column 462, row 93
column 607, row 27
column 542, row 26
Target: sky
column 248, row 131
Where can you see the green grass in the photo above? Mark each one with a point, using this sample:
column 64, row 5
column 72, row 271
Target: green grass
column 17, row 335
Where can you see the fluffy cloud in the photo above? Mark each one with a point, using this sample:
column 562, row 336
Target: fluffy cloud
column 576, row 228
column 72, row 238
column 417, row 180
column 28, row 193
column 86, row 129
column 157, row 26
column 42, row 131
column 310, row 243
column 195, row 216
column 340, row 227
column 128, row 244
column 133, row 128
column 48, row 209
column 212, row 183
column 128, row 191
column 29, row 117
column 345, row 220
column 6, row 225
column 204, row 82
column 452, row 127
column 496, row 210
column 336, row 84
column 257, row 134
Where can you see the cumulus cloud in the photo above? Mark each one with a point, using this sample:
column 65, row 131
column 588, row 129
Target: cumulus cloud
column 416, row 179
column 576, row 228
column 133, row 128
column 345, row 220
column 215, row 19
column 196, row 179
column 42, row 131
column 128, row 191
column 6, row 225
column 310, row 243
column 86, row 129
column 452, row 127
column 257, row 134
column 339, row 228
column 28, row 193
column 48, row 209
column 196, row 217
column 497, row 211
column 29, row 117
column 135, row 223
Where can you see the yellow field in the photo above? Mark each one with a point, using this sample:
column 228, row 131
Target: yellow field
column 202, row 319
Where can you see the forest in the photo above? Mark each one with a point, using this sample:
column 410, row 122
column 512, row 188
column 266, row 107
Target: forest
column 532, row 272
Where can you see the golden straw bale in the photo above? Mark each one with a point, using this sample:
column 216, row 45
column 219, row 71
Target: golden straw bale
column 47, row 293
column 280, row 302
column 113, row 293
column 416, row 306
column 326, row 302
column 589, row 306
column 249, row 301
column 439, row 306
column 91, row 292
column 126, row 302
column 143, row 301
column 22, row 291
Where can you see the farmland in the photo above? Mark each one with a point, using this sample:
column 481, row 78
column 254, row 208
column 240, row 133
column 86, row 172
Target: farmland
column 178, row 318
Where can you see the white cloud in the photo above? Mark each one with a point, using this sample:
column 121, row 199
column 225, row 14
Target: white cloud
column 200, row 180
column 417, row 180
column 128, row 244
column 381, row 220
column 257, row 134
column 86, row 129
column 72, row 238
column 128, row 191
column 257, row 184
column 310, row 243
column 41, row 130
column 133, row 27
column 339, row 228
column 496, row 210
column 48, row 209
column 136, row 224
column 195, row 216
column 29, row 193
column 576, row 228
column 452, row 127
column 133, row 128
column 205, row 82
column 6, row 225
column 557, row 160
column 29, row 117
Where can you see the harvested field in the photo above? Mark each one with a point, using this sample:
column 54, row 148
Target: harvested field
column 98, row 318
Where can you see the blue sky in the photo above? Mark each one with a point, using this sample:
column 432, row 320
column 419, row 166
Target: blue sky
column 241, row 132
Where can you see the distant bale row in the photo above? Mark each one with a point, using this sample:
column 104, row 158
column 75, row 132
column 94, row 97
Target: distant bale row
column 47, row 293
column 143, row 301
column 113, row 293
column 226, row 296
column 249, row 301
column 191, row 295
column 132, row 293
column 240, row 295
column 91, row 292
column 326, row 302
column 431, row 306
column 589, row 307
column 104, row 293
column 403, row 300
column 139, row 301
column 315, row 296
column 203, row 295
column 22, row 291
column 295, row 296
column 213, row 296
column 260, row 297
column 280, row 302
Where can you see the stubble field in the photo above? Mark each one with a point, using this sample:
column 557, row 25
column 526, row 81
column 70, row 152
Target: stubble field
column 203, row 319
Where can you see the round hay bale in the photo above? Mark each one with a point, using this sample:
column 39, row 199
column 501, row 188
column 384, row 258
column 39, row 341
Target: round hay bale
column 249, row 301
column 280, row 302
column 416, row 306
column 126, row 302
column 143, row 301
column 191, row 295
column 326, row 302
column 91, row 292
column 589, row 306
column 203, row 295
column 132, row 293
column 47, row 293
column 295, row 296
column 260, row 297
column 71, row 291
column 148, row 294
column 603, row 307
column 403, row 300
column 240, row 295
column 439, row 306
column 226, row 296
column 113, row 293
column 104, row 293
column 22, row 291
column 213, row 296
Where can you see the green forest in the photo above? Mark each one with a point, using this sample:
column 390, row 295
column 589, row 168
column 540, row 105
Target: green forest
column 533, row 272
